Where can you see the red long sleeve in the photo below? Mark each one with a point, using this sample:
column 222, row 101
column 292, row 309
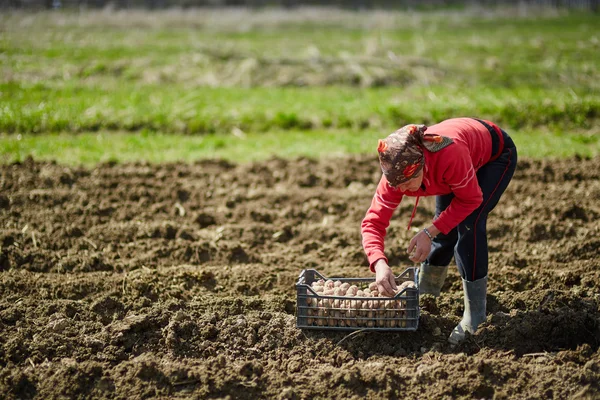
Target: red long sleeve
column 377, row 219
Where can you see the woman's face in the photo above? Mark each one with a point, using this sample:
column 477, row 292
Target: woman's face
column 413, row 184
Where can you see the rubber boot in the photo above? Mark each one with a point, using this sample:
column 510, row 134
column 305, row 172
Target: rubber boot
column 431, row 279
column 474, row 314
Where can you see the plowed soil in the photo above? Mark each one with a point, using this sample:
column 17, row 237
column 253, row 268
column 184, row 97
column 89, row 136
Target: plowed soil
column 176, row 280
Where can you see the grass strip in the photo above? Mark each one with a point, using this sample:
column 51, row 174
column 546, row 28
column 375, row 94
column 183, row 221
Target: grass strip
column 91, row 148
column 41, row 108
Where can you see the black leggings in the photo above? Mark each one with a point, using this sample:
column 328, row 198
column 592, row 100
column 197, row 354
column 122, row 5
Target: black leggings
column 468, row 241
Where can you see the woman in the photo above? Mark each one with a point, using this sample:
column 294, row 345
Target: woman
column 467, row 163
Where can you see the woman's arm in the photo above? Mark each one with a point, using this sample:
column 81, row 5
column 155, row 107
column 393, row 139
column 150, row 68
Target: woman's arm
column 377, row 219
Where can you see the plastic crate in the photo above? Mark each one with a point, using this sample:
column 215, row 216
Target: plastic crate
column 317, row 311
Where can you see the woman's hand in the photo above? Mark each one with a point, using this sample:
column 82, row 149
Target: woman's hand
column 420, row 246
column 385, row 279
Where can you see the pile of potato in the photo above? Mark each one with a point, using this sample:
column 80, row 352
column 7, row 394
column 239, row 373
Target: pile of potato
column 386, row 312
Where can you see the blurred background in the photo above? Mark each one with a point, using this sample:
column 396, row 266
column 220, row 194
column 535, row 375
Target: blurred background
column 351, row 4
column 165, row 80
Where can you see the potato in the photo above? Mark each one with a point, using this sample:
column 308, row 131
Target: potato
column 320, row 315
column 404, row 285
column 402, row 315
column 360, row 312
column 398, row 304
column 382, row 314
column 373, row 286
column 351, row 312
column 321, row 307
column 390, row 315
column 365, row 306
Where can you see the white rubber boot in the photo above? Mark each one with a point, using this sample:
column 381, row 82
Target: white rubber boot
column 474, row 314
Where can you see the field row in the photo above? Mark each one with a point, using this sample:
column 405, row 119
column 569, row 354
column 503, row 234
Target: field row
column 26, row 108
column 99, row 147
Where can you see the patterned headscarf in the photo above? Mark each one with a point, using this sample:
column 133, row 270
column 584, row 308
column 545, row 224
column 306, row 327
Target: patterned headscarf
column 401, row 153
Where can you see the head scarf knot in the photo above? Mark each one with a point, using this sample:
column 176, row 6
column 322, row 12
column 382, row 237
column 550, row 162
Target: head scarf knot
column 401, row 153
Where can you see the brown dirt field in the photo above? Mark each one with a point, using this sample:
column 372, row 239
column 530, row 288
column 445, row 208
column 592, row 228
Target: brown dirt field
column 177, row 281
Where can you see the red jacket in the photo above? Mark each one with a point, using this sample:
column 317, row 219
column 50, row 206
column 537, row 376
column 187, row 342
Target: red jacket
column 450, row 170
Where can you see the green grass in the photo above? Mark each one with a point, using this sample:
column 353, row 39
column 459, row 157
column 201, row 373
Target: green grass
column 40, row 108
column 176, row 84
column 91, row 72
column 91, row 148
